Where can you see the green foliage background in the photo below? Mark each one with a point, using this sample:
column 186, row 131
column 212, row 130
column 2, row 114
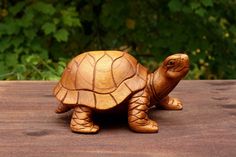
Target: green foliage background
column 38, row 37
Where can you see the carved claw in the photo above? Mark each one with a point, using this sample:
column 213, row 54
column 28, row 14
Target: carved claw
column 170, row 103
column 82, row 129
column 150, row 127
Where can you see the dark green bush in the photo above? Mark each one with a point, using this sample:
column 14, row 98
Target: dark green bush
column 39, row 37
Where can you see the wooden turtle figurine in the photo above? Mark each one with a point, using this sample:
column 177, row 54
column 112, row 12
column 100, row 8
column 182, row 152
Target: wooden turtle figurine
column 101, row 80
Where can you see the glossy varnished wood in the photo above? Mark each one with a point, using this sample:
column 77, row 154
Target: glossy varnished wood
column 205, row 127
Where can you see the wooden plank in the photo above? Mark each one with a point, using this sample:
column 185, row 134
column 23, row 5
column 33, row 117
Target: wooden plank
column 205, row 127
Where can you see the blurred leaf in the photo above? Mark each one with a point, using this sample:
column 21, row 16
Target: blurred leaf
column 11, row 59
column 2, row 69
column 50, row 76
column 61, row 35
column 207, row 3
column 175, row 5
column 70, row 17
column 200, row 12
column 29, row 33
column 26, row 20
column 17, row 41
column 5, row 44
column 194, row 5
column 49, row 28
column 33, row 59
column 45, row 8
column 17, row 8
column 20, row 68
column 11, row 27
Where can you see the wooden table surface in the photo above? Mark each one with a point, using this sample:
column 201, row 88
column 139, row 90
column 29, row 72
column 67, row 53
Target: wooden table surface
column 205, row 127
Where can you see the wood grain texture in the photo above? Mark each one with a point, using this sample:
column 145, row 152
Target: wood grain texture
column 205, row 127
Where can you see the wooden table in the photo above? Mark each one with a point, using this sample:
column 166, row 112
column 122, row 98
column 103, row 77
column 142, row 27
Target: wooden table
column 205, row 127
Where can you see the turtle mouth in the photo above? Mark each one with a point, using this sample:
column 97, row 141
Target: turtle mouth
column 183, row 69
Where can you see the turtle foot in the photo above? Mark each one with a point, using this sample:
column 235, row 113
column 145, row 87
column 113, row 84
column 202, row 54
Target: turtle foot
column 85, row 129
column 149, row 127
column 81, row 121
column 170, row 103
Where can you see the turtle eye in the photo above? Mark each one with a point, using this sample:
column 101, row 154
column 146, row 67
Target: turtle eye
column 171, row 62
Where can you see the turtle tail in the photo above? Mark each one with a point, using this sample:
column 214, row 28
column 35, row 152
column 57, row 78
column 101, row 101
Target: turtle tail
column 62, row 108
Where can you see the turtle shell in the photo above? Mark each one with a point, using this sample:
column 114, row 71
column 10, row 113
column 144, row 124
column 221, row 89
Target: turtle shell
column 100, row 79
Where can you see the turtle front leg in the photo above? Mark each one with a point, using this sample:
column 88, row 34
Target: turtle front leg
column 137, row 114
column 81, row 120
column 170, row 103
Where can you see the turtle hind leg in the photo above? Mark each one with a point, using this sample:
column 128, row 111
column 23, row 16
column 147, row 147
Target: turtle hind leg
column 137, row 115
column 81, row 120
column 169, row 103
column 62, row 108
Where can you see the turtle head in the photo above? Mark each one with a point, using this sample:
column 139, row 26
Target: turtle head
column 167, row 76
column 175, row 66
